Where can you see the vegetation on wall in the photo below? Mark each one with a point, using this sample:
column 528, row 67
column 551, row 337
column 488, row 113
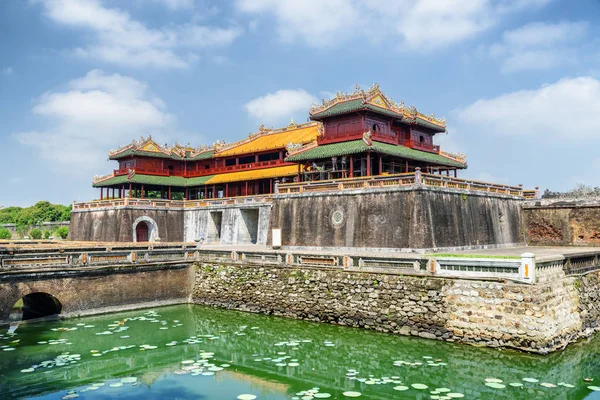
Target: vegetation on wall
column 63, row 232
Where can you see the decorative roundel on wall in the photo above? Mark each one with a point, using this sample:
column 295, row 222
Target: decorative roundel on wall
column 337, row 217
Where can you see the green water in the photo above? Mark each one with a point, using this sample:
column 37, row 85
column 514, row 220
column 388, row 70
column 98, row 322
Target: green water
column 271, row 358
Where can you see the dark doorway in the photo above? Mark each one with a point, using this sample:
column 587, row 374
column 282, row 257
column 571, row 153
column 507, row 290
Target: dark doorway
column 141, row 232
column 36, row 305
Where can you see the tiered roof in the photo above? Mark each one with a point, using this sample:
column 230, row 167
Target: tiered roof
column 264, row 140
column 271, row 139
column 359, row 146
column 375, row 101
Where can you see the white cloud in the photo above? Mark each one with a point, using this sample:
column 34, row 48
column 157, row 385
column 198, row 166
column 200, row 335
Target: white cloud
column 6, row 71
column 274, row 107
column 122, row 40
column 539, row 45
column 413, row 24
column 95, row 113
column 567, row 109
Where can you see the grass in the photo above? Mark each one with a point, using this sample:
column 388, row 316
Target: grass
column 458, row 255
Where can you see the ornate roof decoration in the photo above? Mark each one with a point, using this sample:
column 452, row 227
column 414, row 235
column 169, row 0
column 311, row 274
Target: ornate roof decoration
column 374, row 97
column 148, row 147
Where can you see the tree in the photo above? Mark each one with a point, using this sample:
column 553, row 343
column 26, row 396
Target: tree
column 63, row 232
column 35, row 234
column 5, row 233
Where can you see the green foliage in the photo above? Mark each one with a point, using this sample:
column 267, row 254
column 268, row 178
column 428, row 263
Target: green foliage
column 580, row 190
column 63, row 232
column 47, row 234
column 5, row 233
column 35, row 234
column 42, row 211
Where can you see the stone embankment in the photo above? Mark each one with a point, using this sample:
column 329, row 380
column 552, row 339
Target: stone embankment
column 538, row 318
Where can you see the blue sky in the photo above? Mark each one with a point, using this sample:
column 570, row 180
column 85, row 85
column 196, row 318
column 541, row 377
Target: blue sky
column 518, row 81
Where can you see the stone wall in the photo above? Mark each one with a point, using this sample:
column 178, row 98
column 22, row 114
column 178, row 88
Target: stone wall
column 538, row 318
column 238, row 224
column 398, row 218
column 562, row 222
column 92, row 291
column 116, row 224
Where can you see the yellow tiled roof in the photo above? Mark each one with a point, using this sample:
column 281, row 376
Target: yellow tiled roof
column 272, row 140
column 264, row 173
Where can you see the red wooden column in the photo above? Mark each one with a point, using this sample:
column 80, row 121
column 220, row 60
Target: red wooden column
column 368, row 163
column 187, row 193
column 270, row 185
column 122, row 194
column 214, row 191
column 130, row 190
column 380, row 164
column 246, row 188
column 142, row 193
column 351, row 167
column 101, row 193
column 227, row 188
column 205, row 191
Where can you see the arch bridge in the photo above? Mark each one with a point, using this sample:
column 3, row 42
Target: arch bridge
column 89, row 279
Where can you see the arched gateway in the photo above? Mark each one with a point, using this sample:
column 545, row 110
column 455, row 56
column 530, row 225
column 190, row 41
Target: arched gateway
column 145, row 229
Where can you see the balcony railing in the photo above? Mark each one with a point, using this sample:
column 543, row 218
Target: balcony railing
column 162, row 203
column 413, row 178
column 203, row 172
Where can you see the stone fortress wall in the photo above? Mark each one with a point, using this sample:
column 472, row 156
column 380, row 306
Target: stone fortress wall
column 395, row 218
column 562, row 222
column 539, row 318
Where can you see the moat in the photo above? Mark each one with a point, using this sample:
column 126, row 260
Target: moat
column 195, row 352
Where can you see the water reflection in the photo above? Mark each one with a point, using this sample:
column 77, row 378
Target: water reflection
column 269, row 357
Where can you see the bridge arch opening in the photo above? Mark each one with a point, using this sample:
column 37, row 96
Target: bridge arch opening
column 35, row 305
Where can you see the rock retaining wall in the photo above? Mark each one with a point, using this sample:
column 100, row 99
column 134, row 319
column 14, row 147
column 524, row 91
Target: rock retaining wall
column 538, row 318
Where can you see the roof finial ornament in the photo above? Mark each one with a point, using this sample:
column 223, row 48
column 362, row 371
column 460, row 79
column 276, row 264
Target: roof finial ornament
column 292, row 124
column 357, row 88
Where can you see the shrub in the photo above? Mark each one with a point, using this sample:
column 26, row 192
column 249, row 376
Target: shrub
column 35, row 234
column 5, row 233
column 63, row 232
column 46, row 234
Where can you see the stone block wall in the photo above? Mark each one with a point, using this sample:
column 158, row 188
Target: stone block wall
column 538, row 318
column 116, row 224
column 562, row 222
column 398, row 218
column 228, row 224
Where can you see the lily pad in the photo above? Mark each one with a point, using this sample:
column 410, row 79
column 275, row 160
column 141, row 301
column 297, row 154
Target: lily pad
column 530, row 380
column 116, row 384
column 401, row 388
column 548, row 385
column 594, row 388
column 321, row 395
column 493, row 380
column 495, row 385
column 515, row 384
column 455, row 395
column 246, row 397
column 419, row 386
column 352, row 394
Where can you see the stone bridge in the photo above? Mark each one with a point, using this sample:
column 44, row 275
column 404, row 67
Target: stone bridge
column 91, row 280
